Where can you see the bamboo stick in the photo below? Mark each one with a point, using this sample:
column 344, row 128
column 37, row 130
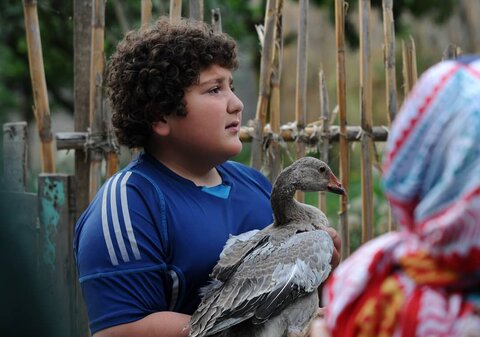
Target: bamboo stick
column 274, row 148
column 41, row 107
column 196, row 10
column 325, row 117
column 217, row 20
column 301, row 81
column 288, row 134
column 112, row 165
column 409, row 65
column 97, row 65
column 470, row 10
column 389, row 58
column 146, row 12
column 366, row 121
column 120, row 14
column 342, row 108
column 175, row 9
column 390, row 74
column 76, row 140
column 268, row 47
column 451, row 52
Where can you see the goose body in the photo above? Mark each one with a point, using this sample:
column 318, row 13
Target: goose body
column 265, row 282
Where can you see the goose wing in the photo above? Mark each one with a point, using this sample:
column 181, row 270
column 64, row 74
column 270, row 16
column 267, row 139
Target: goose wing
column 270, row 277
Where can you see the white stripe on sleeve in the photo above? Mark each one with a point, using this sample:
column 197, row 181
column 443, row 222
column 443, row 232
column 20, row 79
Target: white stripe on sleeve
column 106, row 231
column 126, row 216
column 116, row 223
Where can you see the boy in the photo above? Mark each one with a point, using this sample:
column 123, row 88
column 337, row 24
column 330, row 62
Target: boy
column 153, row 233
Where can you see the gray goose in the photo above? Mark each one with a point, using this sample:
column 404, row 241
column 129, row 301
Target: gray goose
column 265, row 282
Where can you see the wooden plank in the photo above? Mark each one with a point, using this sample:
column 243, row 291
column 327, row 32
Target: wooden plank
column 26, row 220
column 55, row 259
column 15, row 156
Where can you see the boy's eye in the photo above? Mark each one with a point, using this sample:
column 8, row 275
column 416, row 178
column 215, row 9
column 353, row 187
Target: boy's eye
column 214, row 90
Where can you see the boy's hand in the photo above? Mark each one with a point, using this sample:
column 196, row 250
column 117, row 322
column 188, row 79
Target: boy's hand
column 337, row 245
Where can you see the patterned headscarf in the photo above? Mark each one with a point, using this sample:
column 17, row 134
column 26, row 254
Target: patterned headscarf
column 423, row 280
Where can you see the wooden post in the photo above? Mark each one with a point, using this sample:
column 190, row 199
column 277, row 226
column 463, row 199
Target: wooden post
column 409, row 65
column 41, row 108
column 389, row 58
column 97, row 65
column 175, row 9
column 56, row 265
column 82, row 19
column 274, row 148
column 15, row 156
column 301, row 81
column 342, row 111
column 366, row 121
column 217, row 20
column 146, row 12
column 325, row 118
column 196, row 10
column 268, row 47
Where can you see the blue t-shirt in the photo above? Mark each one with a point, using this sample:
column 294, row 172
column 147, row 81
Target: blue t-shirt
column 150, row 238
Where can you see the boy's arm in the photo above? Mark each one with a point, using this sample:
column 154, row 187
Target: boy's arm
column 159, row 324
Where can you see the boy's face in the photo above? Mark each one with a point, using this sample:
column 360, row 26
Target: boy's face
column 211, row 129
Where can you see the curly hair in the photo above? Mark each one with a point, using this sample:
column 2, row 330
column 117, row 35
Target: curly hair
column 151, row 68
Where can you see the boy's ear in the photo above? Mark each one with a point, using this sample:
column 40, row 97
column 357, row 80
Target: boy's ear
column 161, row 127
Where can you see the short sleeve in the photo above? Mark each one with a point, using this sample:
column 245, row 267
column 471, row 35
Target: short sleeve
column 121, row 248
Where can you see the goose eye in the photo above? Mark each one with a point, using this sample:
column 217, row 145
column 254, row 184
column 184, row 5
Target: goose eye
column 322, row 169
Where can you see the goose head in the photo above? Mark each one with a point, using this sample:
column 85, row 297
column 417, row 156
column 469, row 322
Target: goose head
column 307, row 174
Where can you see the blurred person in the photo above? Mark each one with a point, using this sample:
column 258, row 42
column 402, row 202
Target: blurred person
column 424, row 279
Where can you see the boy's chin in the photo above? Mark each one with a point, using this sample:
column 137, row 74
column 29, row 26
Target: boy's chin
column 235, row 149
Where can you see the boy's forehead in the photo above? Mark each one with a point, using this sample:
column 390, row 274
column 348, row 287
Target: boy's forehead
column 215, row 73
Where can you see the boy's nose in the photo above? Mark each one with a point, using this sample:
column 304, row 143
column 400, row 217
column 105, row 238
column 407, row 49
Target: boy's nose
column 235, row 105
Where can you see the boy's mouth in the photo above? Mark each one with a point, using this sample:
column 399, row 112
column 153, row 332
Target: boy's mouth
column 233, row 126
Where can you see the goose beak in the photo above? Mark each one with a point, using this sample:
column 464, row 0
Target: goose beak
column 334, row 185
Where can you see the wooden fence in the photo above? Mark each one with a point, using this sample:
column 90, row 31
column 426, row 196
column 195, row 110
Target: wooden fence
column 61, row 198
